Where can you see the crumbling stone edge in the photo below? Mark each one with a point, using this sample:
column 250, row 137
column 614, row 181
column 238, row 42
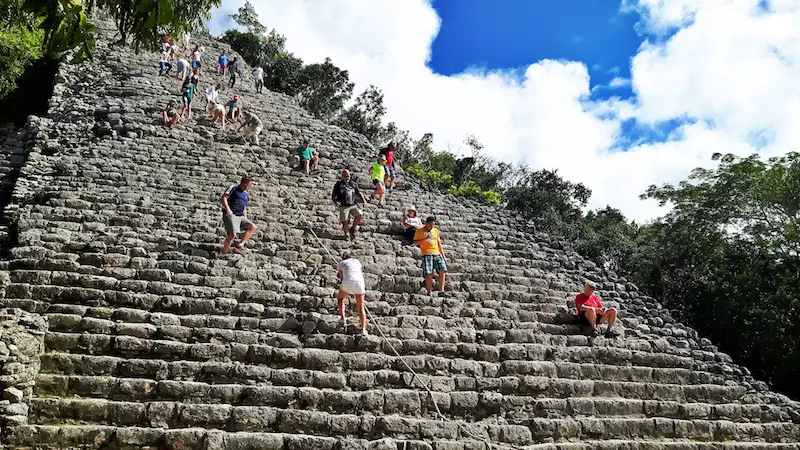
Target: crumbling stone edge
column 21, row 346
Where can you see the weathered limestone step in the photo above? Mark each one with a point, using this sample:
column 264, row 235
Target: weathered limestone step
column 382, row 390
column 536, row 387
column 304, row 417
column 662, row 445
column 510, row 359
column 99, row 436
column 434, row 365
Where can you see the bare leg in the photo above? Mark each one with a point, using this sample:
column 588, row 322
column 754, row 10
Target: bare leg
column 356, row 222
column 226, row 246
column 591, row 316
column 316, row 162
column 341, row 297
column 440, row 286
column 361, row 311
column 305, row 165
column 346, row 227
column 429, row 283
column 611, row 316
column 247, row 234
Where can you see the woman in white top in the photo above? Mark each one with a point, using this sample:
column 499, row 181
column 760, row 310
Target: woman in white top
column 411, row 223
column 352, row 279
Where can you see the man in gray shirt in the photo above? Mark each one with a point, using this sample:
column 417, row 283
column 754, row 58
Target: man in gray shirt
column 252, row 127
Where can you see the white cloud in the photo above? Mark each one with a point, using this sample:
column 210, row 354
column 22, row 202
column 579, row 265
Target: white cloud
column 732, row 66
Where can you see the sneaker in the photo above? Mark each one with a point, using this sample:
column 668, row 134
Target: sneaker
column 239, row 248
column 364, row 333
column 225, row 256
column 444, row 294
column 612, row 333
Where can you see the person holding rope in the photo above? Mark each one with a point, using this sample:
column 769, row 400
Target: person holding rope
column 252, row 127
column 352, row 282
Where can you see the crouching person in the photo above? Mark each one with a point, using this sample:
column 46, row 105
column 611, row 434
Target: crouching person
column 234, row 216
column 592, row 312
column 252, row 128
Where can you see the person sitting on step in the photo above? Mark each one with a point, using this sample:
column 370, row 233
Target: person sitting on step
column 378, row 171
column 252, row 127
column 411, row 223
column 591, row 311
column 433, row 259
column 170, row 116
column 308, row 157
column 345, row 196
column 234, row 216
column 352, row 282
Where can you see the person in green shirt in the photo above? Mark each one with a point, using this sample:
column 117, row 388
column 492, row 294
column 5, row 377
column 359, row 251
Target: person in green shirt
column 378, row 172
column 307, row 155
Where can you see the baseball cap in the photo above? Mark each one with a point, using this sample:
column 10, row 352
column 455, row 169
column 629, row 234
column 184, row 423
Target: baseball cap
column 236, row 97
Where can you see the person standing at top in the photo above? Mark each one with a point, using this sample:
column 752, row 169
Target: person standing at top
column 233, row 71
column 433, row 259
column 197, row 59
column 258, row 74
column 592, row 312
column 388, row 152
column 378, row 175
column 352, row 282
column 223, row 64
column 345, row 196
column 234, row 215
column 411, row 223
column 307, row 155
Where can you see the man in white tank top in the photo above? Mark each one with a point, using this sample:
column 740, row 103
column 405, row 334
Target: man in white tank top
column 352, row 283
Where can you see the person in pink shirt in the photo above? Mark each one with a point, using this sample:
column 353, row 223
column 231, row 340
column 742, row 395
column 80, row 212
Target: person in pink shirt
column 592, row 312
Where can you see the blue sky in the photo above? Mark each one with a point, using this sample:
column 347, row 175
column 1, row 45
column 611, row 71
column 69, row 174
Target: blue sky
column 506, row 34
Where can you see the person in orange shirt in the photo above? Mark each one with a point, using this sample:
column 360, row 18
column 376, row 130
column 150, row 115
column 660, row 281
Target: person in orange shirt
column 592, row 312
column 433, row 259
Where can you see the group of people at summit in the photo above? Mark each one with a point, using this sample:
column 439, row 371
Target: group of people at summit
column 346, row 194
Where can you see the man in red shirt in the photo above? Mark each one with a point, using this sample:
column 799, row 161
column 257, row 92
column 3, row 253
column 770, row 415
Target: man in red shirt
column 591, row 311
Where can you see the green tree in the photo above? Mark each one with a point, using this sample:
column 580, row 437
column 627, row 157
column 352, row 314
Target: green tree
column 19, row 47
column 324, row 89
column 365, row 116
column 725, row 260
column 143, row 22
column 550, row 202
column 606, row 237
column 247, row 17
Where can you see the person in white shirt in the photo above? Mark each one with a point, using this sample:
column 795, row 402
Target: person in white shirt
column 411, row 223
column 212, row 94
column 197, row 60
column 352, row 282
column 258, row 73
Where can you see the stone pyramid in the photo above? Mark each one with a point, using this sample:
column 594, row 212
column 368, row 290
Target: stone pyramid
column 121, row 329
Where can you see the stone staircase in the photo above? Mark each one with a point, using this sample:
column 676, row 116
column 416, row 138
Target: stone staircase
column 153, row 342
